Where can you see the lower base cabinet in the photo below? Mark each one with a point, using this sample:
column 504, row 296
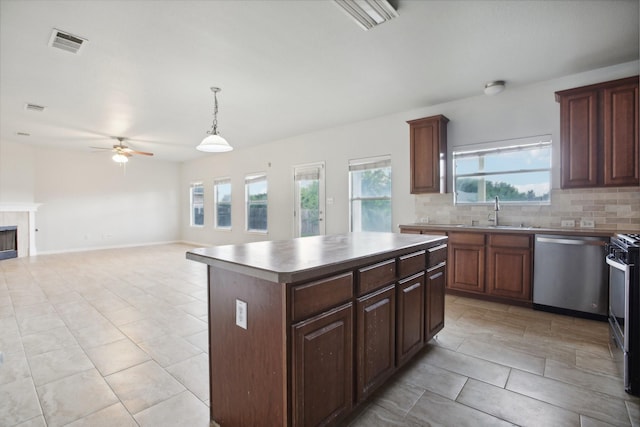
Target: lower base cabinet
column 410, row 328
column 322, row 367
column 436, row 282
column 376, row 337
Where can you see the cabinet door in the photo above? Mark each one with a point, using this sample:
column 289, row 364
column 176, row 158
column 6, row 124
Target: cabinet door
column 428, row 151
column 620, row 135
column 376, row 337
column 434, row 308
column 410, row 327
column 466, row 267
column 579, row 139
column 322, row 374
column 509, row 273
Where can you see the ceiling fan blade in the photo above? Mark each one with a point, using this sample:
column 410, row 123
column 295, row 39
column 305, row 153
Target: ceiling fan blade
column 144, row 153
column 102, row 148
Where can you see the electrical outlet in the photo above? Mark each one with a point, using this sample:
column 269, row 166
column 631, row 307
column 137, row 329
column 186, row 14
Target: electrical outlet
column 567, row 223
column 587, row 223
column 241, row 314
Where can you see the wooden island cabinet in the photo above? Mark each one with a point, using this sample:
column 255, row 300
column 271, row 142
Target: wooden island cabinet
column 302, row 331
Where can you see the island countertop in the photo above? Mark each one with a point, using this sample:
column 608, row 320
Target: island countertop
column 295, row 260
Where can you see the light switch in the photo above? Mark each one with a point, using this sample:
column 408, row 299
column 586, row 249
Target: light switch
column 241, row 314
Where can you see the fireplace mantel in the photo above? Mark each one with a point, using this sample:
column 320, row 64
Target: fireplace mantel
column 22, row 215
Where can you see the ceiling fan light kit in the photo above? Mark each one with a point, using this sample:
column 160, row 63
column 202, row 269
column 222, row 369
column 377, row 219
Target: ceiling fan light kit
column 122, row 152
column 214, row 143
column 120, row 158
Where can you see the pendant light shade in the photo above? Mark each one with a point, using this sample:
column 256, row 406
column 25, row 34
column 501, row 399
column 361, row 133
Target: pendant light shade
column 214, row 143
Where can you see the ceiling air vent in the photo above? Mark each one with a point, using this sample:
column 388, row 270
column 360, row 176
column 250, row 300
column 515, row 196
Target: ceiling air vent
column 34, row 107
column 66, row 41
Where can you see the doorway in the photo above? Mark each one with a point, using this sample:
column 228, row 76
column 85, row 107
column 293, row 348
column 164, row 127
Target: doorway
column 309, row 200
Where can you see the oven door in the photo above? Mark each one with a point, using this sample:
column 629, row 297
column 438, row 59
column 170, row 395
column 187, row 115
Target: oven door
column 619, row 275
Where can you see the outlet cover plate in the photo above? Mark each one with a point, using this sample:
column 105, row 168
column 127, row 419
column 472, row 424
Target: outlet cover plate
column 587, row 223
column 567, row 223
column 241, row 314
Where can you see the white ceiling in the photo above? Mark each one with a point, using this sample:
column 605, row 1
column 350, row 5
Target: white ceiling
column 285, row 67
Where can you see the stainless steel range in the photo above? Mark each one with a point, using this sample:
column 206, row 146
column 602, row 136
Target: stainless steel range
column 623, row 258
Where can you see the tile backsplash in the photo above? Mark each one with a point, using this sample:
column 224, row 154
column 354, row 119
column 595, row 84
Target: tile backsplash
column 615, row 208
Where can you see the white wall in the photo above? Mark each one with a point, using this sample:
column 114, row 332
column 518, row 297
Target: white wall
column 88, row 201
column 517, row 112
column 17, row 173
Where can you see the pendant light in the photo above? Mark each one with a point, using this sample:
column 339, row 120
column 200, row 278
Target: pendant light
column 214, row 143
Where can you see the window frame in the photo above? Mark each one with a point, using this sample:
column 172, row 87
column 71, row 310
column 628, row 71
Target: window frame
column 506, row 147
column 192, row 215
column 369, row 163
column 216, row 203
column 252, row 179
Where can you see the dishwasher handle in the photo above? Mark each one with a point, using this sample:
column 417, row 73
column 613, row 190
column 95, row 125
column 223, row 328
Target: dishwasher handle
column 561, row 241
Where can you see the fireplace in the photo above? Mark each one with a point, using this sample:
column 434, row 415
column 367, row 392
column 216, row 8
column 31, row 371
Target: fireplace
column 8, row 242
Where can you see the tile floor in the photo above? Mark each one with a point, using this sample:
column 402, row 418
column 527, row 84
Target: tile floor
column 119, row 338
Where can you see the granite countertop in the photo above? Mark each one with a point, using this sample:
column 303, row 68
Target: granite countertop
column 597, row 232
column 289, row 261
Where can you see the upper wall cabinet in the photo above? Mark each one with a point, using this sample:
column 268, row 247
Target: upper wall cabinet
column 599, row 134
column 428, row 139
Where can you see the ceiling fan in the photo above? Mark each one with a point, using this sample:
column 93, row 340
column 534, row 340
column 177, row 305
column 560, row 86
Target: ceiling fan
column 122, row 152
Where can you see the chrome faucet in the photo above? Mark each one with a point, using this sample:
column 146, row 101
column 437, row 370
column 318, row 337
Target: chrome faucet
column 496, row 208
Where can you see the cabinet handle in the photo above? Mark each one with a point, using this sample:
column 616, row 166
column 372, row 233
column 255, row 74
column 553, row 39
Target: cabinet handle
column 412, row 287
column 437, row 248
column 442, row 264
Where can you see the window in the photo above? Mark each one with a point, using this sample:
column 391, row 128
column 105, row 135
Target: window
column 222, row 203
column 256, row 200
column 515, row 173
column 196, row 200
column 370, row 194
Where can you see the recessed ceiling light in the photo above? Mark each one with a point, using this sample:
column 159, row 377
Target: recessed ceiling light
column 368, row 13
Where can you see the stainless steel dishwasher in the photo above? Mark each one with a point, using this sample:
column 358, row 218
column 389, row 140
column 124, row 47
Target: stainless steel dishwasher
column 570, row 275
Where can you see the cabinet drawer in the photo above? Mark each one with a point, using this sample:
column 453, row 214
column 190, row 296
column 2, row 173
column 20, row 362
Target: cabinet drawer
column 510, row 240
column 466, row 238
column 436, row 255
column 315, row 297
column 376, row 276
column 411, row 263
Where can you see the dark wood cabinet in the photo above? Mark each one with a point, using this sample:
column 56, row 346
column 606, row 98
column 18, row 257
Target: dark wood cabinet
column 509, row 266
column 497, row 266
column 434, row 308
column 599, row 135
column 466, row 261
column 322, row 367
column 428, row 154
column 620, row 134
column 410, row 332
column 376, row 337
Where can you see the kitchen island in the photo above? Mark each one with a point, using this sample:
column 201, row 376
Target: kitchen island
column 302, row 331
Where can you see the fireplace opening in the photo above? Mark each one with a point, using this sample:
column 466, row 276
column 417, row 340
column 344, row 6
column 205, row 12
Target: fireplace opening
column 8, row 242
